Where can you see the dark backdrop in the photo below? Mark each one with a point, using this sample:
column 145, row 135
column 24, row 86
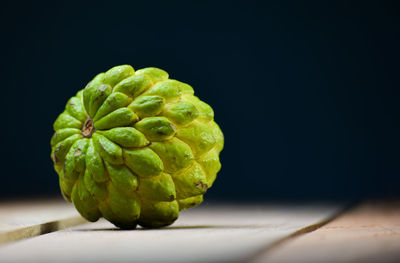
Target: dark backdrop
column 306, row 93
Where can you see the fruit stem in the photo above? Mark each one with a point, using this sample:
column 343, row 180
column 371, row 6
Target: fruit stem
column 88, row 128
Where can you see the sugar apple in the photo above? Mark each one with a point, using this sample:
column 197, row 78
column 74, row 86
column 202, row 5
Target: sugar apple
column 135, row 147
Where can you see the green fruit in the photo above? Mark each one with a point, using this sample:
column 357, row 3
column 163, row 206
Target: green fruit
column 135, row 148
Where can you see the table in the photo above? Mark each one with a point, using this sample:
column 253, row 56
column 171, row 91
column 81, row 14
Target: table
column 52, row 231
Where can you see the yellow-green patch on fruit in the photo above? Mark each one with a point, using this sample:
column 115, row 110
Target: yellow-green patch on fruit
column 113, row 102
column 190, row 202
column 156, row 128
column 167, row 89
column 181, row 113
column 108, row 150
column 190, row 182
column 145, row 106
column 134, row 86
column 65, row 120
column 199, row 136
column 116, row 74
column 176, row 155
column 127, row 137
column 143, row 162
column 155, row 74
column 157, row 188
column 158, row 214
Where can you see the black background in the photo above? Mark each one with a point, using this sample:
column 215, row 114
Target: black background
column 306, row 93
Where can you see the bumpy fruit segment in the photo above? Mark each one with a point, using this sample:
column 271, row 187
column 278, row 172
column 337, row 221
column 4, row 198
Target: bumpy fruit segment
column 135, row 148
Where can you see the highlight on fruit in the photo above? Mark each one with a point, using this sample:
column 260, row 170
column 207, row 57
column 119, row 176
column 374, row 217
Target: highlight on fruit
column 135, row 147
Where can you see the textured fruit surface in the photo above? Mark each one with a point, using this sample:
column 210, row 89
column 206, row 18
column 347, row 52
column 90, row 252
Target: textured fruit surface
column 135, row 148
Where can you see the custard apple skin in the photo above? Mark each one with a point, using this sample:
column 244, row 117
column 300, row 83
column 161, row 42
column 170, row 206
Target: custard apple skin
column 135, row 147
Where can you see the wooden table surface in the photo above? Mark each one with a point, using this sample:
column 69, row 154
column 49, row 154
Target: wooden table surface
column 52, row 231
